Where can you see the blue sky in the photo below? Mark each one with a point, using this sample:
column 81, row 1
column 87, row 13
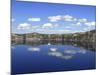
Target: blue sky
column 47, row 18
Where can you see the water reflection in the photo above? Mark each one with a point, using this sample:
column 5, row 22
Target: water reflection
column 86, row 45
column 34, row 49
column 12, row 47
column 55, row 51
column 60, row 55
column 75, row 51
column 57, row 54
column 51, row 56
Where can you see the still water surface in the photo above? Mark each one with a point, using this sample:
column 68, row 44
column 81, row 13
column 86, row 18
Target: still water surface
column 49, row 57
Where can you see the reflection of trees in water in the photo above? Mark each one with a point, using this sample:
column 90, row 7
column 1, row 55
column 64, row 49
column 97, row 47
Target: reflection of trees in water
column 86, row 45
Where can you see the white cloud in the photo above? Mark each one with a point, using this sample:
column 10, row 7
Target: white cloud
column 67, row 27
column 90, row 23
column 34, row 27
column 47, row 25
column 69, row 18
column 93, row 23
column 83, row 20
column 78, row 23
column 54, row 18
column 24, row 26
column 61, row 31
column 12, row 20
column 34, row 19
column 66, row 18
column 86, row 29
column 63, row 18
column 74, row 19
column 55, row 25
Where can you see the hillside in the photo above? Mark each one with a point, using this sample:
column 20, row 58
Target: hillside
column 76, row 37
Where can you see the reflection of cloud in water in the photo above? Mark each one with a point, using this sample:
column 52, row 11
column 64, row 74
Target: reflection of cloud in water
column 49, row 43
column 53, row 49
column 82, row 51
column 54, row 52
column 57, row 54
column 12, row 47
column 75, row 44
column 70, row 51
column 67, row 57
column 75, row 51
column 35, row 49
column 60, row 55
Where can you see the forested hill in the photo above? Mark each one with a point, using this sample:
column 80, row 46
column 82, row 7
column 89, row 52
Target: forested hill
column 88, row 36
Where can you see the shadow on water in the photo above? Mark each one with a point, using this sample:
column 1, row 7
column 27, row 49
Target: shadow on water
column 86, row 45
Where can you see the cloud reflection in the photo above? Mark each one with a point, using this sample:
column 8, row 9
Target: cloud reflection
column 67, row 57
column 53, row 49
column 34, row 49
column 70, row 53
column 12, row 47
column 66, row 54
column 57, row 54
column 60, row 55
column 75, row 51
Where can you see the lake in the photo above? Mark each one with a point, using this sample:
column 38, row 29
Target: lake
column 37, row 57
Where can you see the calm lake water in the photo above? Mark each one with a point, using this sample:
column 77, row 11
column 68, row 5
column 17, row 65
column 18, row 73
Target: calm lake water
column 51, row 56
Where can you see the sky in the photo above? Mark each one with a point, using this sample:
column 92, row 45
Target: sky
column 51, row 18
